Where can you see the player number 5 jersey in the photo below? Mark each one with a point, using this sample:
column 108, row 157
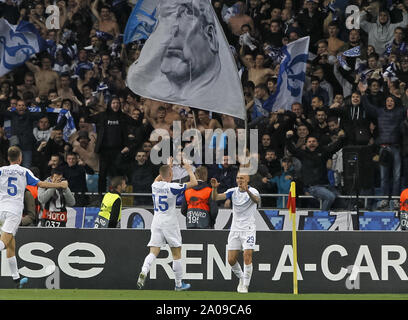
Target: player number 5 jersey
column 13, row 181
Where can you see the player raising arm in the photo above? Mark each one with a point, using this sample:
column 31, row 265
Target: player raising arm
column 242, row 235
column 165, row 227
column 13, row 181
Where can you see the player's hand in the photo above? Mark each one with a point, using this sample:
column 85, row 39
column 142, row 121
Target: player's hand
column 244, row 186
column 264, row 180
column 227, row 203
column 170, row 162
column 214, row 183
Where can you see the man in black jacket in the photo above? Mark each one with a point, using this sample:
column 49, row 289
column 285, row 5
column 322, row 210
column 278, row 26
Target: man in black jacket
column 75, row 174
column 112, row 140
column 22, row 130
column 314, row 170
column 389, row 119
column 141, row 174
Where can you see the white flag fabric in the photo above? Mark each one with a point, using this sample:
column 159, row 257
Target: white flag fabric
column 187, row 61
column 291, row 78
column 17, row 44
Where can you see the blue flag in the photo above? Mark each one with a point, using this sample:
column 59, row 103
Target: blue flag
column 141, row 22
column 17, row 44
column 291, row 78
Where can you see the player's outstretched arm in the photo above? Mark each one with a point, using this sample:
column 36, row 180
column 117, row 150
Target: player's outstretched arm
column 46, row 184
column 214, row 193
column 193, row 180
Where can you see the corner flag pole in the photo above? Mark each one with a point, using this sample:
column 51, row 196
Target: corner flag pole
column 292, row 215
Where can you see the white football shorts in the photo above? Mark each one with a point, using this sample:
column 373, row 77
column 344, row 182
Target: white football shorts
column 160, row 236
column 241, row 240
column 10, row 222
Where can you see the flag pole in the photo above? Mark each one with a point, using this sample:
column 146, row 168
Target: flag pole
column 292, row 214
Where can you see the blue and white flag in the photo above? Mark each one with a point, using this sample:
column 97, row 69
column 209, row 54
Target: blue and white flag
column 187, row 61
column 291, row 78
column 68, row 129
column 353, row 52
column 17, row 44
column 141, row 22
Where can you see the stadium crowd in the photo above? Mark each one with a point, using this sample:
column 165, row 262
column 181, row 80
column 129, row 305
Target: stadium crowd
column 350, row 97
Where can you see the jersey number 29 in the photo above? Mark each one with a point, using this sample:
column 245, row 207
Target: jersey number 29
column 162, row 205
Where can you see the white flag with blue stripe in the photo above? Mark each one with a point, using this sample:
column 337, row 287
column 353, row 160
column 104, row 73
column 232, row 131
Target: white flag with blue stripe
column 17, row 44
column 291, row 78
column 141, row 22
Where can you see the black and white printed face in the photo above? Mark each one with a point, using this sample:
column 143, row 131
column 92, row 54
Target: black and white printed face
column 192, row 39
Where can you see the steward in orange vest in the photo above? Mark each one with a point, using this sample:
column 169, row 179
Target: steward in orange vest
column 404, row 209
column 197, row 206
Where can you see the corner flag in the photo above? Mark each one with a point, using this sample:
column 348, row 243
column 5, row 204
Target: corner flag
column 292, row 214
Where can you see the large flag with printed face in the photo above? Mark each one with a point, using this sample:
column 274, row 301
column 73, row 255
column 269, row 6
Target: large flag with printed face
column 291, row 78
column 17, row 44
column 142, row 21
column 187, row 61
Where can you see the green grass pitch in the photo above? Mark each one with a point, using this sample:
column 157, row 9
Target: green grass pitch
column 80, row 294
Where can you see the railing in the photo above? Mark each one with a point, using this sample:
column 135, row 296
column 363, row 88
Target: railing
column 272, row 195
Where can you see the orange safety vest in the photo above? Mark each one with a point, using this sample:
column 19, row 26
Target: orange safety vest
column 198, row 199
column 404, row 200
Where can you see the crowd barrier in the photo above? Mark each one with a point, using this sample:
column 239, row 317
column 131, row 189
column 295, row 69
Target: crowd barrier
column 268, row 219
column 328, row 262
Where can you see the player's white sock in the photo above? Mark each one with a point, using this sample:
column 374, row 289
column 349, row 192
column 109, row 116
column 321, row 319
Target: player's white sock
column 2, row 245
column 178, row 271
column 247, row 274
column 148, row 263
column 13, row 267
column 236, row 268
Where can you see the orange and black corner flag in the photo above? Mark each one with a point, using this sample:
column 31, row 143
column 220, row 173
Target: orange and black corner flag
column 292, row 198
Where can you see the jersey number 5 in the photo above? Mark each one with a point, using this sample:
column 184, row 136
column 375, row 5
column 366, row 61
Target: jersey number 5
column 11, row 188
column 162, row 205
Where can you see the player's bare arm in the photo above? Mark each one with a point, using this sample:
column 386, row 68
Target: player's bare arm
column 46, row 184
column 214, row 193
column 193, row 180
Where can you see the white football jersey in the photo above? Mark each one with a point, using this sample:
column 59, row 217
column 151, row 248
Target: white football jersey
column 13, row 181
column 243, row 209
column 164, row 196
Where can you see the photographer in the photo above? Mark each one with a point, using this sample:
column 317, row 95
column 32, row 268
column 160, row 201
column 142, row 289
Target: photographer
column 55, row 201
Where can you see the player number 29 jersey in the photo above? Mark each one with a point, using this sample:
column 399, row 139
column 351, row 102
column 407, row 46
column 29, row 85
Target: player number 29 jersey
column 243, row 208
column 13, row 181
column 164, row 196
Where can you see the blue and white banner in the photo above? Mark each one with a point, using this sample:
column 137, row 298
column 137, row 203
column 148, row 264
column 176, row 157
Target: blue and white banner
column 187, row 61
column 141, row 22
column 68, row 129
column 353, row 52
column 17, row 44
column 291, row 78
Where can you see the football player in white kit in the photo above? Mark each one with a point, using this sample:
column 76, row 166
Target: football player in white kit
column 13, row 181
column 165, row 227
column 242, row 235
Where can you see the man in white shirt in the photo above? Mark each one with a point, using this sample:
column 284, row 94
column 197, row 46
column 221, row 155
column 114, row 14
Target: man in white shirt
column 242, row 234
column 13, row 181
column 165, row 227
